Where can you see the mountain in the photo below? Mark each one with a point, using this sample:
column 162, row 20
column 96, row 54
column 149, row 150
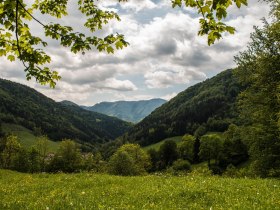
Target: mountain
column 68, row 103
column 25, row 106
column 131, row 111
column 208, row 106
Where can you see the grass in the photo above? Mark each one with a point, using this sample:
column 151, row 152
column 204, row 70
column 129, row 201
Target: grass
column 156, row 146
column 95, row 191
column 26, row 137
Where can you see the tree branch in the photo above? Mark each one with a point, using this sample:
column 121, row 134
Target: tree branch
column 18, row 46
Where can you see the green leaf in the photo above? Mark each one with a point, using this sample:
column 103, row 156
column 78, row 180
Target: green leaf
column 11, row 58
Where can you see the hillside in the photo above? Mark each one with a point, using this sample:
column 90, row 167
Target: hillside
column 25, row 106
column 26, row 137
column 131, row 111
column 206, row 106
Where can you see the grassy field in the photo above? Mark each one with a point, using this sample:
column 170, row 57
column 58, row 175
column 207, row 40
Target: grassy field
column 156, row 146
column 93, row 191
column 26, row 137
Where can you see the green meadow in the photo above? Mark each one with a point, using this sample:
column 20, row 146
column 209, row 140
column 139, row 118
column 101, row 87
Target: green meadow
column 96, row 191
column 156, row 146
column 26, row 138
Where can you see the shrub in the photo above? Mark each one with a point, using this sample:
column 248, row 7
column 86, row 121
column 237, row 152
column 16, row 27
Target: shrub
column 181, row 165
column 129, row 160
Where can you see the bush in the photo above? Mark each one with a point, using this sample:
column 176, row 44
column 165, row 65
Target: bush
column 122, row 164
column 181, row 165
column 129, row 160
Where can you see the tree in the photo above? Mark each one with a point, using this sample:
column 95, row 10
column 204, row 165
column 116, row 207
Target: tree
column 67, row 157
column 168, row 153
column 186, row 148
column 42, row 146
column 18, row 41
column 128, row 160
column 258, row 69
column 234, row 150
column 154, row 156
column 11, row 149
column 122, row 164
column 212, row 14
column 34, row 160
column 210, row 147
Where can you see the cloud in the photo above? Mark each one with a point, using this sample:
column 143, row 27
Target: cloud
column 169, row 96
column 165, row 53
column 165, row 77
column 114, row 84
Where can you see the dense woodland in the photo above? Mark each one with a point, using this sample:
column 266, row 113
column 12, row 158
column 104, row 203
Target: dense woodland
column 226, row 121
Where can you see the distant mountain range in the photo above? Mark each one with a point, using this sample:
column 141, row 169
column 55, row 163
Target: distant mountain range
column 25, row 106
column 208, row 106
column 131, row 111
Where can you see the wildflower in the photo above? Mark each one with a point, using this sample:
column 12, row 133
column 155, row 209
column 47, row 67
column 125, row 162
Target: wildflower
column 47, row 208
column 83, row 193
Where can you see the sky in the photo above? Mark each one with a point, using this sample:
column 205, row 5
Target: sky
column 165, row 55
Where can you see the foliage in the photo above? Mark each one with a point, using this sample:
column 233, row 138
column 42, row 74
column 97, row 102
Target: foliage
column 168, row 153
column 258, row 68
column 55, row 120
column 209, row 105
column 186, row 148
column 129, row 160
column 210, row 147
column 234, row 150
column 213, row 12
column 18, row 41
column 10, row 148
column 67, row 158
column 181, row 165
column 95, row 191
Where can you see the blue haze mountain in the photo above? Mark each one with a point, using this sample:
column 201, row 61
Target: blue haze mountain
column 131, row 111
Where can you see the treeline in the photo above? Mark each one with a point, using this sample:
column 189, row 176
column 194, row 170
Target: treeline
column 128, row 160
column 68, row 157
column 219, row 150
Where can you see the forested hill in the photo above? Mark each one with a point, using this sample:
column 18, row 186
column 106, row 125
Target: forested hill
column 206, row 106
column 25, row 106
column 131, row 111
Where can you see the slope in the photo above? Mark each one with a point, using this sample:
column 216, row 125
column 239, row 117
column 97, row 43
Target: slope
column 25, row 106
column 26, row 137
column 206, row 106
column 131, row 111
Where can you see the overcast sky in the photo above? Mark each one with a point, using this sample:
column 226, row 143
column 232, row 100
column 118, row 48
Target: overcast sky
column 165, row 55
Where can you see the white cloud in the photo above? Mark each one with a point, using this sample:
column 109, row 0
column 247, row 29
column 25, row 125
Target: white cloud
column 137, row 5
column 114, row 84
column 169, row 96
column 164, row 77
column 164, row 52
